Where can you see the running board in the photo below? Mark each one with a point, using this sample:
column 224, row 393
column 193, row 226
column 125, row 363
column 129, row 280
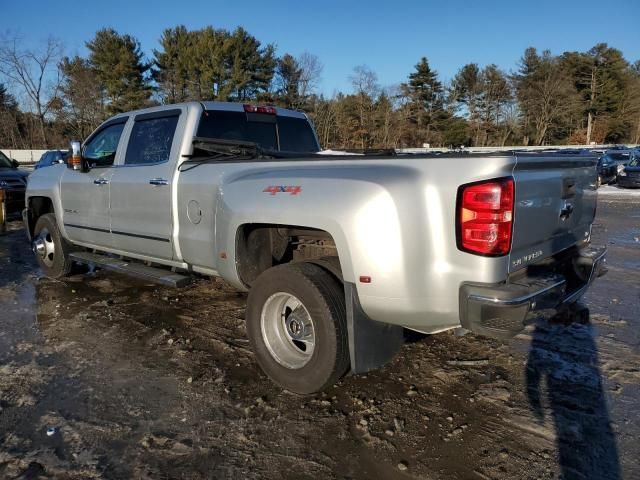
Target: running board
column 133, row 269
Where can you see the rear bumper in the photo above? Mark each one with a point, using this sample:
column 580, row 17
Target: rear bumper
column 502, row 310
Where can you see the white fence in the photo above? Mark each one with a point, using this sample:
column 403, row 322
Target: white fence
column 510, row 148
column 24, row 156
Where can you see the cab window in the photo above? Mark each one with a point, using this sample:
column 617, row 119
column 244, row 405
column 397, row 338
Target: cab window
column 151, row 140
column 100, row 150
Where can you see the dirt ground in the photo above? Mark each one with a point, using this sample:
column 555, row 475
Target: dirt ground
column 106, row 377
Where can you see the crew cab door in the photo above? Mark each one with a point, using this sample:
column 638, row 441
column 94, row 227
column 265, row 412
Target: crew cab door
column 85, row 195
column 141, row 187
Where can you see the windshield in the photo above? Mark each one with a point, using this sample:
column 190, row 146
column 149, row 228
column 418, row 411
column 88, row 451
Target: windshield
column 616, row 158
column 271, row 132
column 4, row 161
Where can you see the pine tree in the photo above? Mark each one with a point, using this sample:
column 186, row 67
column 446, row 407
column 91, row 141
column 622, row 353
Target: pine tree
column 287, row 82
column 599, row 77
column 207, row 64
column 425, row 105
column 250, row 66
column 119, row 66
column 171, row 65
column 467, row 90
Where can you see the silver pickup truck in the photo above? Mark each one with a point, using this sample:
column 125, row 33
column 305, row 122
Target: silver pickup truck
column 339, row 253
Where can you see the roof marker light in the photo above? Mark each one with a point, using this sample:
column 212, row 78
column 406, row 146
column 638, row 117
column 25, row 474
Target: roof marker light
column 260, row 109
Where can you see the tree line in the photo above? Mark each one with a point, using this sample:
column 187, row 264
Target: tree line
column 47, row 98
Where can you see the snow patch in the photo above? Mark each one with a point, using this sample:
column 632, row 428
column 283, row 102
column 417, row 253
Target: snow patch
column 612, row 190
column 336, row 152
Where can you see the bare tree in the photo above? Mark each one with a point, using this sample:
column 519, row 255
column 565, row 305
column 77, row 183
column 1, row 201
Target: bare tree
column 310, row 73
column 35, row 72
column 366, row 87
column 364, row 81
column 83, row 102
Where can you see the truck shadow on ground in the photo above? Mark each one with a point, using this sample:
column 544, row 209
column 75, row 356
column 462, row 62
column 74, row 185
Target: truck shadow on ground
column 563, row 365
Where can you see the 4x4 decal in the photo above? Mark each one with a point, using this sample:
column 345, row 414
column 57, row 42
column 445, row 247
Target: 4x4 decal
column 291, row 189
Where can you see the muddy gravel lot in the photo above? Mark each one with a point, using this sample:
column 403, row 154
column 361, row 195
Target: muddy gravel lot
column 106, row 377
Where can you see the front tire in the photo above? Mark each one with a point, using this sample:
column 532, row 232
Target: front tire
column 51, row 249
column 297, row 325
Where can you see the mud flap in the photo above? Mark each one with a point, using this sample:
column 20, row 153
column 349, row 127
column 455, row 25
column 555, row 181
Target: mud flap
column 371, row 344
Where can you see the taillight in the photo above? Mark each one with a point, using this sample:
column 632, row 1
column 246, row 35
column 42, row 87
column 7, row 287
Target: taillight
column 485, row 217
column 259, row 109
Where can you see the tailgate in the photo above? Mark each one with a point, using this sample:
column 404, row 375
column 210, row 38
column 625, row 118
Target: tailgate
column 555, row 205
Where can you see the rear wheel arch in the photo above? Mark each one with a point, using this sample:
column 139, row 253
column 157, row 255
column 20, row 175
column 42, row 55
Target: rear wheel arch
column 260, row 246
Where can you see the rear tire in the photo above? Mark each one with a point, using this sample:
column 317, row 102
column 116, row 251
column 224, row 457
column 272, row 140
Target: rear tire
column 297, row 325
column 51, row 249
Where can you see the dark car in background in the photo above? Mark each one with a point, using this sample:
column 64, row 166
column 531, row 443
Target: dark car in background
column 52, row 157
column 629, row 176
column 615, row 161
column 607, row 170
column 13, row 183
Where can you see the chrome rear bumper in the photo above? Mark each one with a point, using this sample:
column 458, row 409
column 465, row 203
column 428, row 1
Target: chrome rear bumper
column 501, row 310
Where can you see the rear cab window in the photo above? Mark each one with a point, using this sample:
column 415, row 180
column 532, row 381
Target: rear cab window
column 271, row 132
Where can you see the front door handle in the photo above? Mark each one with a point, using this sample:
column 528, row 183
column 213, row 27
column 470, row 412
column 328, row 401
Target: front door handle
column 159, row 181
column 101, row 181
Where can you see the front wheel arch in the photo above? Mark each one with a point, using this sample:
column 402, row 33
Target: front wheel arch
column 37, row 206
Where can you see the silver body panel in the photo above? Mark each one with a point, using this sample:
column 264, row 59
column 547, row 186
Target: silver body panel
column 392, row 219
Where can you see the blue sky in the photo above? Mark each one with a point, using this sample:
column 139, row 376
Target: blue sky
column 388, row 36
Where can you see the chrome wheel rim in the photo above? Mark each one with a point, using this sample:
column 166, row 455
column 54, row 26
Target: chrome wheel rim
column 287, row 330
column 44, row 247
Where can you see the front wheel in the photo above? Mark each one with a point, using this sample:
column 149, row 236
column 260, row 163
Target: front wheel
column 297, row 325
column 51, row 249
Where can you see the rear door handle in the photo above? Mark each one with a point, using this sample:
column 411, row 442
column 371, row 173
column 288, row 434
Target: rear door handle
column 159, row 181
column 101, row 181
column 566, row 211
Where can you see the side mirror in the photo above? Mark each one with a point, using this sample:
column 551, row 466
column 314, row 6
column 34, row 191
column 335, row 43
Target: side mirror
column 15, row 163
column 75, row 160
